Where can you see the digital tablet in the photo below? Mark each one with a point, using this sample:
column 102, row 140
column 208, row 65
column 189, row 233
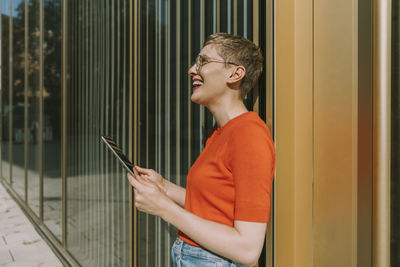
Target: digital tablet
column 118, row 153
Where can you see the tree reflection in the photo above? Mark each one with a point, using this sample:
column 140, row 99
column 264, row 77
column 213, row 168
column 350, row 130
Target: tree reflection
column 51, row 67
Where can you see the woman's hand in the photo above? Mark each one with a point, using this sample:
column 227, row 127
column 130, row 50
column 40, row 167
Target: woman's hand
column 149, row 195
column 151, row 175
column 175, row 192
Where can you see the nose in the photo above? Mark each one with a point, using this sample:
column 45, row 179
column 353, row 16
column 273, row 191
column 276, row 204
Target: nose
column 193, row 70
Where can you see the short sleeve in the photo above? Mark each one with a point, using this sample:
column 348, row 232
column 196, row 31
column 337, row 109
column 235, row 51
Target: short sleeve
column 252, row 163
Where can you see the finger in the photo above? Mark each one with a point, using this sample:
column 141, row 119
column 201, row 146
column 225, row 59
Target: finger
column 135, row 183
column 130, row 178
column 138, row 176
column 135, row 172
column 143, row 170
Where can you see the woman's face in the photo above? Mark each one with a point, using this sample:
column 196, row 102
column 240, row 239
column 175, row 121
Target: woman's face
column 209, row 77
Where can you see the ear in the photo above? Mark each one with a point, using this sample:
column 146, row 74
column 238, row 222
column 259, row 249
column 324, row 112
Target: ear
column 237, row 75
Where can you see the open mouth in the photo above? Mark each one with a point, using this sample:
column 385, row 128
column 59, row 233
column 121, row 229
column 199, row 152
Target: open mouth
column 196, row 82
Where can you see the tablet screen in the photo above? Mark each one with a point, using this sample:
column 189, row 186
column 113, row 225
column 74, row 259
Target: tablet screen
column 118, row 153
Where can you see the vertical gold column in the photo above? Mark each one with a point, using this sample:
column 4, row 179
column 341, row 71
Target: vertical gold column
column 10, row 93
column 269, row 87
column 269, row 57
column 293, row 133
column 202, row 38
column 189, row 84
column 381, row 132
column 41, row 27
column 113, row 113
column 133, row 109
column 26, row 84
column 218, row 15
column 178, row 86
column 158, row 223
column 64, row 123
column 166, row 53
column 147, row 124
column 336, row 118
column 256, row 40
column 235, row 16
column 284, row 181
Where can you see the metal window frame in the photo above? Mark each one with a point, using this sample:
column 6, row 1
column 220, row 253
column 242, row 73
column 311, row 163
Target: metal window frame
column 381, row 132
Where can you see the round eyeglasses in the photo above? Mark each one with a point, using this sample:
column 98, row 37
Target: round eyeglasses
column 203, row 60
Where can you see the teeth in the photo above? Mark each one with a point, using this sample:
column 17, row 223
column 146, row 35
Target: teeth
column 197, row 83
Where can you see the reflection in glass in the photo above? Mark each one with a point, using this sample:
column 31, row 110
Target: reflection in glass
column 171, row 129
column 395, row 136
column 52, row 186
column 5, row 89
column 18, row 97
column 97, row 104
column 33, row 105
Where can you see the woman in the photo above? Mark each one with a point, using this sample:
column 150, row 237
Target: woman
column 222, row 214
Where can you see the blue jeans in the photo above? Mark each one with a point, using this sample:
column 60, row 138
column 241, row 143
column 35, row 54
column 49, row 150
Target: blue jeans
column 185, row 255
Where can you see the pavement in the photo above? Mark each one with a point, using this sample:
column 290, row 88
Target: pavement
column 20, row 243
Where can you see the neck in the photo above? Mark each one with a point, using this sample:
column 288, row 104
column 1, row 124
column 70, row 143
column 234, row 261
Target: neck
column 226, row 111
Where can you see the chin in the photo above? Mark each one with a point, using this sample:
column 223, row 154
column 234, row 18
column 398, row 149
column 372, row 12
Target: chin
column 196, row 100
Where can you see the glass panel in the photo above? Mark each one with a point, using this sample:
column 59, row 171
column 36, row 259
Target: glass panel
column 52, row 117
column 18, row 97
column 171, row 129
column 33, row 105
column 395, row 164
column 97, row 104
column 5, row 89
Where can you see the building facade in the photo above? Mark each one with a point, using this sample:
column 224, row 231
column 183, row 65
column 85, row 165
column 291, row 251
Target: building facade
column 72, row 71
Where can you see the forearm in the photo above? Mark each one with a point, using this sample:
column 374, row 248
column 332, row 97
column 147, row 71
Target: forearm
column 175, row 192
column 221, row 239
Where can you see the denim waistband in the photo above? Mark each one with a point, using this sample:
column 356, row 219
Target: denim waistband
column 180, row 249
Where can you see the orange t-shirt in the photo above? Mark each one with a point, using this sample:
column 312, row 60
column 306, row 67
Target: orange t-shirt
column 232, row 178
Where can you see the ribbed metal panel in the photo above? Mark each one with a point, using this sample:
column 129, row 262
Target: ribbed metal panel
column 171, row 129
column 97, row 104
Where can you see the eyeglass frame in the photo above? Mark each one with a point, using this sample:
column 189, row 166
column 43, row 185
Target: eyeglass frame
column 210, row 60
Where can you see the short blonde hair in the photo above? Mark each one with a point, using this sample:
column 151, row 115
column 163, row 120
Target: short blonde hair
column 239, row 50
